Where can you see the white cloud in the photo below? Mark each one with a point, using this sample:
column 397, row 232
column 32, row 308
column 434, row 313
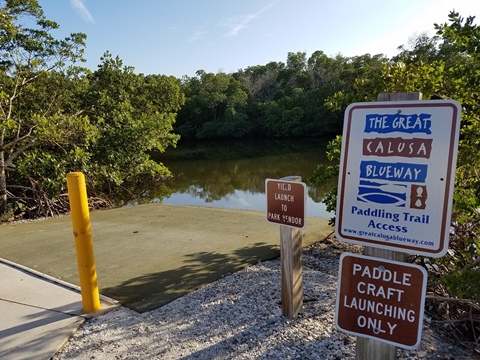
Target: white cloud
column 197, row 35
column 236, row 24
column 81, row 9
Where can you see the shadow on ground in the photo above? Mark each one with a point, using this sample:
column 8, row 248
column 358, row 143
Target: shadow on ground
column 150, row 291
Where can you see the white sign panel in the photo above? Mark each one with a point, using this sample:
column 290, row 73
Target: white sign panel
column 397, row 174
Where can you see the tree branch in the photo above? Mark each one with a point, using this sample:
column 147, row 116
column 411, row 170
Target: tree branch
column 16, row 153
column 472, row 303
column 20, row 138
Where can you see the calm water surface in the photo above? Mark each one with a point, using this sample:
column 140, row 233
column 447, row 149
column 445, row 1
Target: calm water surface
column 232, row 174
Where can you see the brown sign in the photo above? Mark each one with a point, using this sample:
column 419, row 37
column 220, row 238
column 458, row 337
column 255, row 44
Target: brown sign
column 406, row 148
column 381, row 299
column 286, row 202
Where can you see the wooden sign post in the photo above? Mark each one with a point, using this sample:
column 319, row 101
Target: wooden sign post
column 286, row 206
column 368, row 348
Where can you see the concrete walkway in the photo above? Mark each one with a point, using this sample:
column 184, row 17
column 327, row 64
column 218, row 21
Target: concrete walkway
column 38, row 314
column 145, row 257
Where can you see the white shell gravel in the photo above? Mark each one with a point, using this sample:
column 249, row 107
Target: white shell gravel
column 239, row 317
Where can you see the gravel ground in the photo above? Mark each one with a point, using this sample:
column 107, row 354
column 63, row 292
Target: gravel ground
column 239, row 317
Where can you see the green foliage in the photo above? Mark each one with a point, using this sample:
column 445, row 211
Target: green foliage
column 462, row 82
column 133, row 115
column 462, row 263
column 274, row 100
column 214, row 107
column 33, row 97
column 325, row 174
column 56, row 117
column 463, row 284
column 446, row 66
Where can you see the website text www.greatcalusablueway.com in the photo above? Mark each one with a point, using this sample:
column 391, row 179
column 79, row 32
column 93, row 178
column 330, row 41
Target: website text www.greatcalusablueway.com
column 389, row 237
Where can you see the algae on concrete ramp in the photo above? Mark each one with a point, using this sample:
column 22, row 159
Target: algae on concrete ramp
column 148, row 255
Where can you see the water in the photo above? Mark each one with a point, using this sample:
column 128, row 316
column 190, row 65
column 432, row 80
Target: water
column 232, row 174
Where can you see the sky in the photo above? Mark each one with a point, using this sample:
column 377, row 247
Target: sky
column 179, row 37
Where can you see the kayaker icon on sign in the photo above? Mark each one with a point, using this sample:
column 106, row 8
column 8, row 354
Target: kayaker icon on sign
column 418, row 197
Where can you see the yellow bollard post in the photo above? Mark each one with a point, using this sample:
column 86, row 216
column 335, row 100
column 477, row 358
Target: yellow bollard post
column 77, row 195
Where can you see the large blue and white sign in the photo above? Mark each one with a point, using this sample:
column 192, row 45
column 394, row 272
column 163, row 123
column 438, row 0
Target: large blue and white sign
column 397, row 173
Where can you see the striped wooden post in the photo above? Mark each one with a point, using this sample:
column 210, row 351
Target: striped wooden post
column 291, row 266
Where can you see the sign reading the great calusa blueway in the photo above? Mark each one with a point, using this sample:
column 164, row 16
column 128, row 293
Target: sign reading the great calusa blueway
column 381, row 299
column 286, row 201
column 397, row 173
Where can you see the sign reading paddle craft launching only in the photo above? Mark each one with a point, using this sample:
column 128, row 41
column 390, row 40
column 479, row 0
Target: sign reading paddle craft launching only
column 286, row 201
column 381, row 299
column 397, row 173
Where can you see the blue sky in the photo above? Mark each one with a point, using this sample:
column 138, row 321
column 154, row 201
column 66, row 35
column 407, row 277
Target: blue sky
column 179, row 37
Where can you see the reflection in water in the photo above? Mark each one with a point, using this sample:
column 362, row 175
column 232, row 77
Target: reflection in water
column 232, row 175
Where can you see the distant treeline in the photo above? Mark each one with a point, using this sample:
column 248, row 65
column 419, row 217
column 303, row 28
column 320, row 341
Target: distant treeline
column 273, row 100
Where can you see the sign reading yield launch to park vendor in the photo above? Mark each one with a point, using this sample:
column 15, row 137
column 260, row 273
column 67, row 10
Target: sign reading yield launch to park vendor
column 397, row 173
column 286, row 202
